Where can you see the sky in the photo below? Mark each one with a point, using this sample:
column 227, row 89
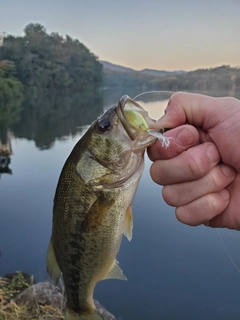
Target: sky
column 157, row 34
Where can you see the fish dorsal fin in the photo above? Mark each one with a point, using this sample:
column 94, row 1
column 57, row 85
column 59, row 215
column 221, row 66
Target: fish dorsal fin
column 52, row 265
column 115, row 272
column 128, row 223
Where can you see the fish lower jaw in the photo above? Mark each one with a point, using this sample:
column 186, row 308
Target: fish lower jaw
column 141, row 148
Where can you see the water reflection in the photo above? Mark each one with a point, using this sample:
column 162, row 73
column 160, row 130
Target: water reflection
column 5, row 149
column 9, row 114
column 46, row 116
column 52, row 115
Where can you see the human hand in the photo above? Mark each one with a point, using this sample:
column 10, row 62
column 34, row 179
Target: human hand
column 200, row 171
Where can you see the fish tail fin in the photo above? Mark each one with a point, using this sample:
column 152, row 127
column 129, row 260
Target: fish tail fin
column 71, row 315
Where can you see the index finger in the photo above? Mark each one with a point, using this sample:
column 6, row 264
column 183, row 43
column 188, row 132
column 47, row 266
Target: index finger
column 196, row 109
column 181, row 139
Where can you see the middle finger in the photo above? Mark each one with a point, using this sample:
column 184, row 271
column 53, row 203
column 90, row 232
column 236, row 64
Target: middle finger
column 192, row 164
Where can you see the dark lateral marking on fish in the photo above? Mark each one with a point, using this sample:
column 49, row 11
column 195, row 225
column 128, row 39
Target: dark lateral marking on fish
column 75, row 258
column 97, row 213
column 74, row 243
column 73, row 291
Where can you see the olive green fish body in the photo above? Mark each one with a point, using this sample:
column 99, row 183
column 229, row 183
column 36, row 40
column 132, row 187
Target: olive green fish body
column 92, row 209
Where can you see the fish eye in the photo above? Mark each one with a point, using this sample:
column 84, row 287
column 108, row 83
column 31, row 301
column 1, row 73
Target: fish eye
column 104, row 125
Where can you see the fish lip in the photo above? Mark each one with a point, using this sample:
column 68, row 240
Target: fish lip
column 124, row 99
column 121, row 104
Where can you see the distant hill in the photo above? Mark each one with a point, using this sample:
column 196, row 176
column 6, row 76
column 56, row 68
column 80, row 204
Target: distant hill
column 219, row 79
column 161, row 73
column 115, row 67
column 151, row 72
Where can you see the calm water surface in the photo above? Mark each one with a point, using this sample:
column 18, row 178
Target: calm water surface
column 174, row 271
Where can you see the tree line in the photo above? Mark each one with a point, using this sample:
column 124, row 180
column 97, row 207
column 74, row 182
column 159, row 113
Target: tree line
column 46, row 78
column 49, row 61
column 223, row 78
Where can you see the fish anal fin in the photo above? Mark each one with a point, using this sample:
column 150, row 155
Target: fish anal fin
column 128, row 223
column 115, row 272
column 71, row 315
column 52, row 265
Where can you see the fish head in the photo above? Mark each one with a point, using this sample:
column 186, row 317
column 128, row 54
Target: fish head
column 114, row 133
column 115, row 145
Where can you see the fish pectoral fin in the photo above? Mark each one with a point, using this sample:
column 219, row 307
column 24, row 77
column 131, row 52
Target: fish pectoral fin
column 52, row 265
column 115, row 272
column 128, row 223
column 97, row 213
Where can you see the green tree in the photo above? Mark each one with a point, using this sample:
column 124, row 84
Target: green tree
column 10, row 93
column 50, row 61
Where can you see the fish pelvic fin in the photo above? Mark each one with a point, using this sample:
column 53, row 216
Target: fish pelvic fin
column 128, row 223
column 52, row 265
column 71, row 315
column 115, row 272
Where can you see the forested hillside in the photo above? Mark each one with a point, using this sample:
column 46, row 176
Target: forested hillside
column 222, row 78
column 50, row 61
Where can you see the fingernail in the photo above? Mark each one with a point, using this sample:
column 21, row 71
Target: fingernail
column 212, row 153
column 185, row 137
column 225, row 195
column 228, row 171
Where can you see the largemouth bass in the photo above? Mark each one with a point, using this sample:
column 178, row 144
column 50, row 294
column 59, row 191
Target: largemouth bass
column 92, row 204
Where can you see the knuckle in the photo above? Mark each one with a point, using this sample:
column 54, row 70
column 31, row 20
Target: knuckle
column 215, row 178
column 209, row 204
column 199, row 211
column 212, row 205
column 196, row 164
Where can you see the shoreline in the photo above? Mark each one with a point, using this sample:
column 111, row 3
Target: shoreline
column 21, row 298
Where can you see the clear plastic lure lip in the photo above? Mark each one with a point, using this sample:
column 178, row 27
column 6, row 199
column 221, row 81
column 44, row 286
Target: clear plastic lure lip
column 135, row 117
column 160, row 95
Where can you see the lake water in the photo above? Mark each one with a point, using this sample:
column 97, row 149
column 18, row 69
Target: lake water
column 174, row 271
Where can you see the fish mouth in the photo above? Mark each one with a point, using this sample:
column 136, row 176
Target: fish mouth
column 135, row 132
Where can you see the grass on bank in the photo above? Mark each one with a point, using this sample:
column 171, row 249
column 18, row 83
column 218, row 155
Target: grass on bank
column 9, row 310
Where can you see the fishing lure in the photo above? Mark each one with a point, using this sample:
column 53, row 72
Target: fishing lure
column 137, row 121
